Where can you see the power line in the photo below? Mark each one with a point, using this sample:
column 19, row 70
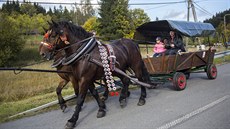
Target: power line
column 164, row 5
column 204, row 10
column 75, row 3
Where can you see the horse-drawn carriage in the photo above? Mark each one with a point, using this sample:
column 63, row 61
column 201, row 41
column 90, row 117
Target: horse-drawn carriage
column 90, row 60
column 177, row 68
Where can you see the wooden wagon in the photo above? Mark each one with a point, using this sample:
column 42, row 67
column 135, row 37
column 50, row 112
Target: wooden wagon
column 177, row 68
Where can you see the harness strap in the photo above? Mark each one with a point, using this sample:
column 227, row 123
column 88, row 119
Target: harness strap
column 80, row 52
column 112, row 57
column 123, row 73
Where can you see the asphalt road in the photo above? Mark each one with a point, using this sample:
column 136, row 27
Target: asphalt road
column 204, row 104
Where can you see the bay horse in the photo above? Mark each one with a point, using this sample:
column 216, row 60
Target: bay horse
column 65, row 77
column 66, row 36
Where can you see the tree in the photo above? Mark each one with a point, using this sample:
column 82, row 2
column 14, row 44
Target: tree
column 218, row 18
column 122, row 19
column 138, row 17
column 84, row 12
column 50, row 12
column 28, row 8
column 11, row 41
column 66, row 15
column 25, row 23
column 91, row 24
column 114, row 19
column 39, row 8
column 11, row 6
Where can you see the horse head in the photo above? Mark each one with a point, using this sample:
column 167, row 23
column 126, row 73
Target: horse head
column 60, row 35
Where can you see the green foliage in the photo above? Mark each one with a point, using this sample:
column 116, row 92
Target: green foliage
column 138, row 17
column 218, row 18
column 11, row 41
column 217, row 22
column 11, row 6
column 25, row 8
column 91, row 24
column 114, row 20
column 117, row 21
column 28, row 8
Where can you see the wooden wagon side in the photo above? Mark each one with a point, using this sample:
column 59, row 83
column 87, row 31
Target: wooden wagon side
column 177, row 68
column 175, row 63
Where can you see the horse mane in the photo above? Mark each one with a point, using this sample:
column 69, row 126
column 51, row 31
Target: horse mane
column 76, row 30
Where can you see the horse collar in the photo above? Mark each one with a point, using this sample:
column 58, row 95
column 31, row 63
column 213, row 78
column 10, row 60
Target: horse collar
column 80, row 52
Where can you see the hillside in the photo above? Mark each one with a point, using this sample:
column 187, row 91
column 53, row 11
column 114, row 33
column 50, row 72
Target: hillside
column 219, row 18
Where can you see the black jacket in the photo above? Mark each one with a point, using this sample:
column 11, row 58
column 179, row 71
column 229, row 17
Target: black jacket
column 177, row 43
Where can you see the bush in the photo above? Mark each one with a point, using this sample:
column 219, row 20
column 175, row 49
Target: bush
column 11, row 41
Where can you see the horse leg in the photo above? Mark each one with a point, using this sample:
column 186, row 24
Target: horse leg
column 101, row 112
column 80, row 100
column 106, row 92
column 142, row 75
column 124, row 91
column 141, row 101
column 61, row 101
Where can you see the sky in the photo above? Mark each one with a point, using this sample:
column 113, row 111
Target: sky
column 205, row 9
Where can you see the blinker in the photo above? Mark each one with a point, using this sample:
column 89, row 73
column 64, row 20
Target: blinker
column 61, row 32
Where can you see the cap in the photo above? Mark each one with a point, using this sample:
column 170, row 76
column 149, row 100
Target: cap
column 158, row 38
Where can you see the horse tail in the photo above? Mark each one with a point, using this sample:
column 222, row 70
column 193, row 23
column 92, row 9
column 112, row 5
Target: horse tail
column 137, row 64
column 146, row 76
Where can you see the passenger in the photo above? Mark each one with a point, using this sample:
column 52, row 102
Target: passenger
column 175, row 44
column 159, row 48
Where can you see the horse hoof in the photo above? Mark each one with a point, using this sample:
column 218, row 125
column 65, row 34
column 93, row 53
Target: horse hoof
column 123, row 103
column 63, row 107
column 101, row 113
column 128, row 93
column 141, row 102
column 69, row 125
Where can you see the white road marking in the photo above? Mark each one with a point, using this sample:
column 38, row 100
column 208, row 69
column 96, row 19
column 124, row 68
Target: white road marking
column 196, row 112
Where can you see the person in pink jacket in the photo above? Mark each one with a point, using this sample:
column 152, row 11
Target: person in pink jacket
column 159, row 48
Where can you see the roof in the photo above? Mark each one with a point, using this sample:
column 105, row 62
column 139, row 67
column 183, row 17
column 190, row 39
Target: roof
column 189, row 29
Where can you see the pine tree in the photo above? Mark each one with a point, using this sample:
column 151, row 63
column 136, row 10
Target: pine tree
column 114, row 21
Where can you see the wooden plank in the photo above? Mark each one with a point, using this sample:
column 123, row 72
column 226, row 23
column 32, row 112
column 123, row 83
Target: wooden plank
column 151, row 65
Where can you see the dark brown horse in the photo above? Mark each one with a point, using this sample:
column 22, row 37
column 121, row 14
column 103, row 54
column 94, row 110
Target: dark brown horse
column 65, row 77
column 68, row 36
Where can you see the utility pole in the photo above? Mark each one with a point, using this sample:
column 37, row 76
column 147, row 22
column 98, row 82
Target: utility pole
column 194, row 12
column 191, row 5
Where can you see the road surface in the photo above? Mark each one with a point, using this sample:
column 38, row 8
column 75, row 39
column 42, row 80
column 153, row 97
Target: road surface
column 204, row 104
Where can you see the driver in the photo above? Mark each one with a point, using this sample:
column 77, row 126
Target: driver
column 174, row 44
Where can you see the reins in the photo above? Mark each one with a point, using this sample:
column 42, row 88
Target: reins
column 73, row 44
column 31, row 70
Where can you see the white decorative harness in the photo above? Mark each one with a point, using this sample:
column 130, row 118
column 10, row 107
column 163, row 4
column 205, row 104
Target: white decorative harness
column 108, row 63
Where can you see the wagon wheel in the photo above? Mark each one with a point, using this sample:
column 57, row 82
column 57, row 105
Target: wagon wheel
column 211, row 71
column 179, row 81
